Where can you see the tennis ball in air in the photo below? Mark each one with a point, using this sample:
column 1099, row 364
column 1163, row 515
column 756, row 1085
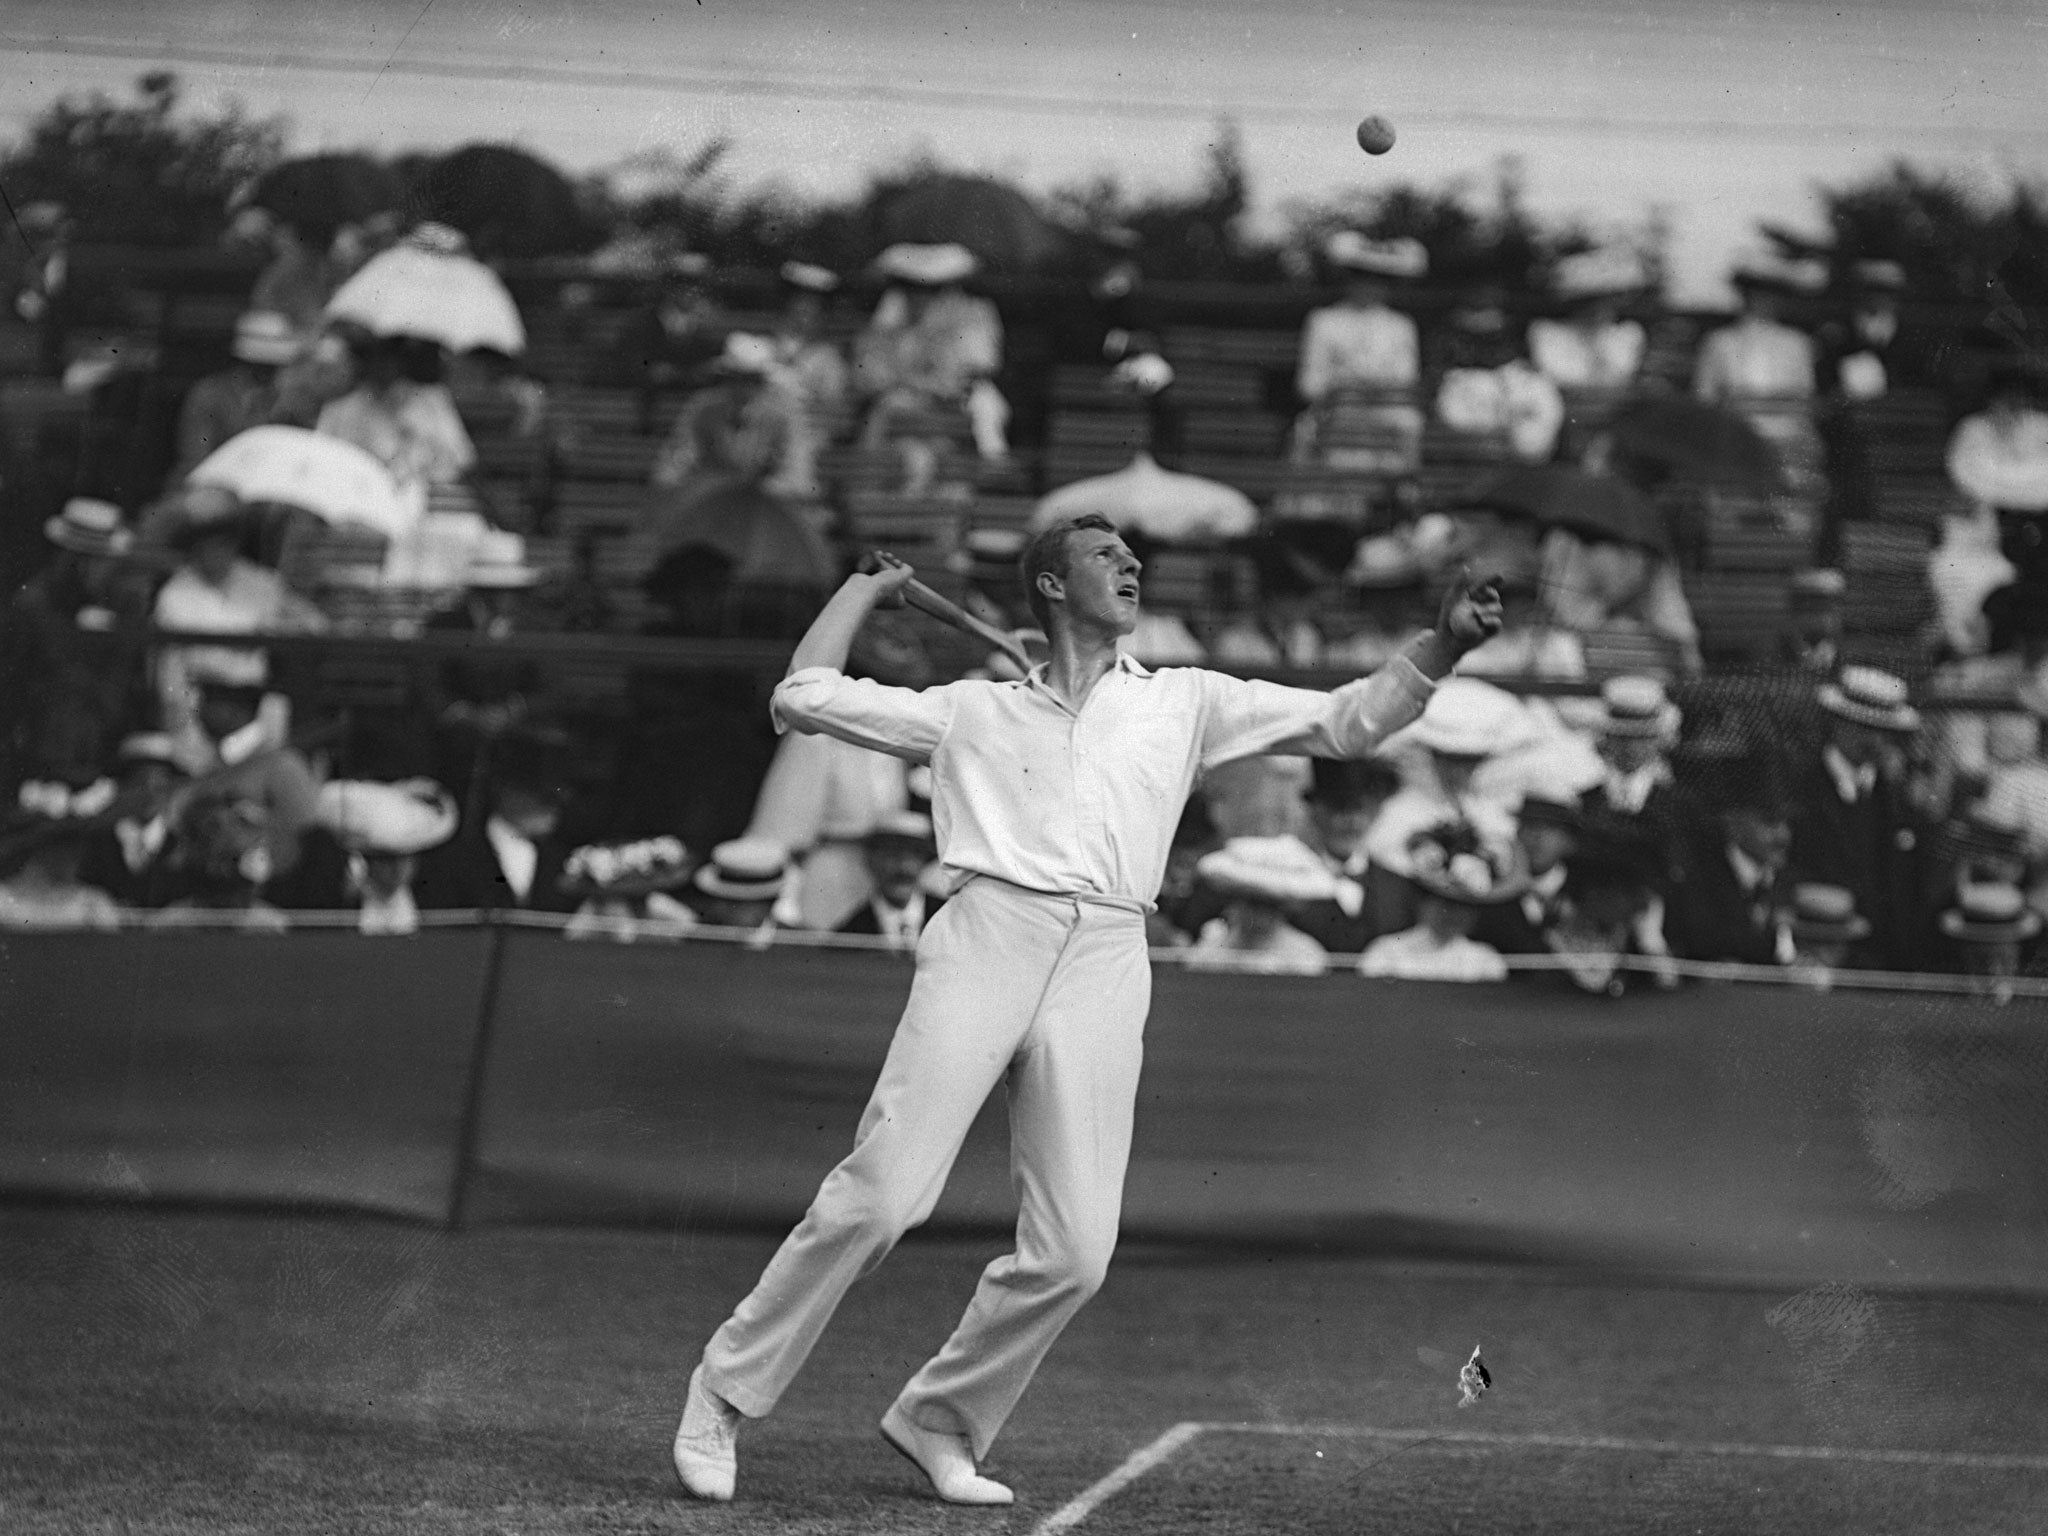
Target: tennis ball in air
column 1375, row 135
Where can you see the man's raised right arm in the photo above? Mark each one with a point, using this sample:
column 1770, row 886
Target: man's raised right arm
column 816, row 696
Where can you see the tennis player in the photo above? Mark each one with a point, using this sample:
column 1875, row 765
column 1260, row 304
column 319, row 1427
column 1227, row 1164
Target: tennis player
column 1054, row 800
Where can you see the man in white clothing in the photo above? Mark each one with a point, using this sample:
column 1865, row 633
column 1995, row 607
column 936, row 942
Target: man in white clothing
column 1054, row 800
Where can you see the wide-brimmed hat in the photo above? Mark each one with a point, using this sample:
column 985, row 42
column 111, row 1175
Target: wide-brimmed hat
column 1347, row 783
column 89, row 526
column 228, row 669
column 265, row 337
column 1383, row 562
column 1990, row 914
column 1876, row 275
column 809, row 276
column 497, row 562
column 988, row 555
column 905, row 826
column 1453, row 861
column 1637, row 707
column 745, row 869
column 1761, row 268
column 197, row 511
column 1607, row 271
column 1353, row 251
column 369, row 817
column 745, row 356
column 927, row 266
column 1468, row 718
column 159, row 747
column 625, row 870
column 1826, row 913
column 1870, row 696
column 1267, row 869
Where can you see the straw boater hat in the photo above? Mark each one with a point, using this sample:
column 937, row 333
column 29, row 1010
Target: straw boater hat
column 1870, row 696
column 626, row 870
column 1267, row 869
column 1816, row 586
column 497, row 562
column 1639, row 707
column 386, row 819
column 1990, row 914
column 88, row 526
column 809, row 277
column 263, row 336
column 1451, row 860
column 1352, row 251
column 1826, row 913
column 1468, row 718
column 1604, row 272
column 745, row 869
column 927, row 266
column 745, row 356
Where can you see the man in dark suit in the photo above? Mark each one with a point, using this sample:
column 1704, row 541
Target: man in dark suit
column 1344, row 799
column 1857, row 823
column 1730, row 903
column 898, row 850
column 1548, row 833
column 510, row 850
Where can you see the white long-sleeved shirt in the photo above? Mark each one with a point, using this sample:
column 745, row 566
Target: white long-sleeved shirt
column 1044, row 797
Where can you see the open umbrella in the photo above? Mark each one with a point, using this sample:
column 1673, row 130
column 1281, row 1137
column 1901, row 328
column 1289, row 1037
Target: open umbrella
column 507, row 201
column 1703, row 442
column 426, row 286
column 1159, row 503
column 317, row 194
column 767, row 543
column 992, row 219
column 1597, row 506
column 293, row 467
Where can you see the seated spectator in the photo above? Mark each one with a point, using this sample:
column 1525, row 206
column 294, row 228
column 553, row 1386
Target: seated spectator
column 1547, row 837
column 42, row 846
column 1258, row 878
column 1858, row 823
column 223, row 854
column 1987, row 929
column 1811, row 640
column 401, row 414
column 1458, row 873
column 670, row 341
column 1609, row 909
column 1491, row 390
column 1345, row 798
column 1637, row 795
column 383, row 829
column 235, row 751
column 623, row 889
column 1591, row 584
column 2016, row 780
column 738, row 886
column 1965, row 568
column 1824, row 927
column 1357, row 350
column 1507, row 543
column 1758, row 356
column 127, row 857
column 1731, row 903
column 1999, row 458
column 734, row 431
column 1592, row 347
column 1465, row 723
column 245, row 394
column 812, row 372
column 480, row 696
column 509, row 852
column 899, row 850
column 64, row 691
column 930, row 350
column 304, row 272
column 1858, row 355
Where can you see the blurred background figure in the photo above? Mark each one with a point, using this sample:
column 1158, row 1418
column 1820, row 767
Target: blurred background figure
column 1258, row 878
column 1825, row 929
column 1357, row 352
column 1730, row 903
column 223, row 857
column 1458, row 872
column 1593, row 345
column 1345, row 799
column 623, row 889
column 898, row 852
column 738, row 886
column 1988, row 929
column 812, row 371
column 510, row 847
column 735, row 430
column 1860, row 353
column 928, row 357
column 401, row 414
column 1547, row 837
column 1811, row 641
column 669, row 341
column 127, row 856
column 1765, row 369
column 1608, row 910
column 1490, row 389
column 247, row 393
column 42, row 849
column 234, row 751
column 382, row 829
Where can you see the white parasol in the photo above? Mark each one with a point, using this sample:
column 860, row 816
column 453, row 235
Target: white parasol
column 1159, row 503
column 297, row 468
column 426, row 286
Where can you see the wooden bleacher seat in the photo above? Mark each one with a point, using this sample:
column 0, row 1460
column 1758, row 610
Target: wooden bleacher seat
column 923, row 530
column 999, row 511
column 592, row 409
column 1240, row 433
column 606, row 457
column 605, row 507
column 1263, row 349
column 1740, row 614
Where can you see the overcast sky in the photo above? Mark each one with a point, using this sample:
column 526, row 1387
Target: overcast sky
column 1722, row 112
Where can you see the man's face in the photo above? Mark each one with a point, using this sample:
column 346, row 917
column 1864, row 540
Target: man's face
column 1627, row 754
column 1100, row 588
column 531, row 815
column 894, row 863
column 1447, row 920
column 213, row 556
column 1343, row 827
column 1759, row 836
column 224, row 711
column 1544, row 845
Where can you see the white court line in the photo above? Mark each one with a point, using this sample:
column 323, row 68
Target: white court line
column 1143, row 1460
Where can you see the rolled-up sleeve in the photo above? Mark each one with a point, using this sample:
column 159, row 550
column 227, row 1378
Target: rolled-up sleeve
column 1247, row 717
column 904, row 722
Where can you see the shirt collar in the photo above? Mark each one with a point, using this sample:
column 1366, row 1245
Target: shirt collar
column 1748, row 872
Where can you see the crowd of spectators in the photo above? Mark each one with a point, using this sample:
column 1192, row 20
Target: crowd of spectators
column 1828, row 825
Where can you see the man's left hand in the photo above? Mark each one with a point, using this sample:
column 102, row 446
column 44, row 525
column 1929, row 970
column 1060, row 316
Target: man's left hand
column 1471, row 614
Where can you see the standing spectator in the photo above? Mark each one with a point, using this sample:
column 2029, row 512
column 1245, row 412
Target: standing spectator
column 128, row 858
column 899, row 850
column 1357, row 351
column 1592, row 346
column 510, row 850
column 931, row 352
column 1459, row 873
column 68, row 678
column 811, row 370
column 42, row 844
column 383, row 829
column 1345, row 798
column 1859, row 826
column 245, row 394
column 401, row 414
column 1258, row 878
column 1730, row 904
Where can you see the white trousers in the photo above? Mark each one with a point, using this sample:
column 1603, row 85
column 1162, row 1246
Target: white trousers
column 1045, row 993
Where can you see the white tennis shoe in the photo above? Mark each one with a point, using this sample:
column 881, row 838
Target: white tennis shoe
column 945, row 1459
column 706, row 1456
